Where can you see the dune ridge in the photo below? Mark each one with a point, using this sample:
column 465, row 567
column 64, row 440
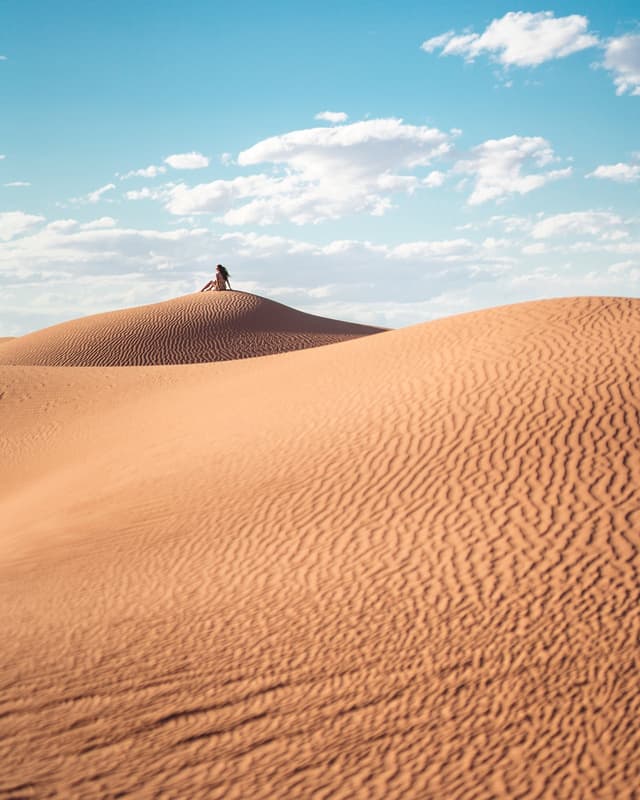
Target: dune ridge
column 195, row 328
column 404, row 567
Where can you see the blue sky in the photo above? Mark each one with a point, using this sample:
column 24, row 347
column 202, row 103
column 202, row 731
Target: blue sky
column 475, row 154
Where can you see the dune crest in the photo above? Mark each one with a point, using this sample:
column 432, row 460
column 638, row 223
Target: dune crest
column 405, row 567
column 195, row 328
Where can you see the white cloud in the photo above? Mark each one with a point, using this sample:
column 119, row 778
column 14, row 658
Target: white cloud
column 437, row 42
column 434, row 179
column 2, row 157
column 191, row 160
column 325, row 173
column 593, row 223
column 3, row 58
column 66, row 268
column 18, row 183
column 519, row 38
column 498, row 166
column 624, row 266
column 622, row 57
column 322, row 173
column 146, row 172
column 332, row 116
column 534, row 249
column 158, row 193
column 375, row 144
column 447, row 250
column 93, row 197
column 621, row 173
column 102, row 222
column 13, row 223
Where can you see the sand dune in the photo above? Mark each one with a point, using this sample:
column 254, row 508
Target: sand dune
column 404, row 566
column 209, row 326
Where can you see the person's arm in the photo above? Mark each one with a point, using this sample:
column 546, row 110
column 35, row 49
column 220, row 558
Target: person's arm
column 229, row 284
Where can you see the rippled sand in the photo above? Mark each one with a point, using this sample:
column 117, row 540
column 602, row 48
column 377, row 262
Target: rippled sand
column 201, row 327
column 404, row 566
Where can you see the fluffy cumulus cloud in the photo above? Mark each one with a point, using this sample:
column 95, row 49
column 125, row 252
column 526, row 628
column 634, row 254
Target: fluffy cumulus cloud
column 501, row 167
column 320, row 173
column 519, row 39
column 621, row 173
column 622, row 58
column 191, row 160
column 13, row 223
column 333, row 117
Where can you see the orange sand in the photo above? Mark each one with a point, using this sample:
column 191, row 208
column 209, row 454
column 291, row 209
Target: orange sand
column 206, row 326
column 404, row 566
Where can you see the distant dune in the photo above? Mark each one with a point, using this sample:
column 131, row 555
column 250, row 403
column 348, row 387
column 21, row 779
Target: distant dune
column 208, row 326
column 404, row 566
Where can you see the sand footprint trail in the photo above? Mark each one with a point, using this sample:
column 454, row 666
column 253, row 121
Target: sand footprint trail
column 419, row 577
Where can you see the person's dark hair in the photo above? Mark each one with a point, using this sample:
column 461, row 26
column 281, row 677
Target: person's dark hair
column 224, row 271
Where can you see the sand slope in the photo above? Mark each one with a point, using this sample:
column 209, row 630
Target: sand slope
column 402, row 566
column 208, row 326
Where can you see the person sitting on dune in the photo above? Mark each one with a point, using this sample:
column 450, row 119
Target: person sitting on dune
column 221, row 281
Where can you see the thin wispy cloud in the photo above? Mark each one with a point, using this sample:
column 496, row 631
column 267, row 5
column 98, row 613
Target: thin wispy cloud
column 93, row 197
column 65, row 267
column 151, row 171
column 591, row 223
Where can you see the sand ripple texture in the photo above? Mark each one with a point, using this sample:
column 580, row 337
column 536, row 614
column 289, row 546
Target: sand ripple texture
column 206, row 326
column 404, row 566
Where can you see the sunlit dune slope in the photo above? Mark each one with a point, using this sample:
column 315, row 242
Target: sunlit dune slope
column 208, row 326
column 402, row 567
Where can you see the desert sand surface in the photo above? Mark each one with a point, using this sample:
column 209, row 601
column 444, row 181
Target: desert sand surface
column 205, row 326
column 403, row 566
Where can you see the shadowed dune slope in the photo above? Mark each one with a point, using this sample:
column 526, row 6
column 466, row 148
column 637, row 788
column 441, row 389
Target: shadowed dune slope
column 404, row 567
column 207, row 326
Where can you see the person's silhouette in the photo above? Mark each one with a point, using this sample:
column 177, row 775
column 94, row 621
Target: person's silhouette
column 221, row 281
